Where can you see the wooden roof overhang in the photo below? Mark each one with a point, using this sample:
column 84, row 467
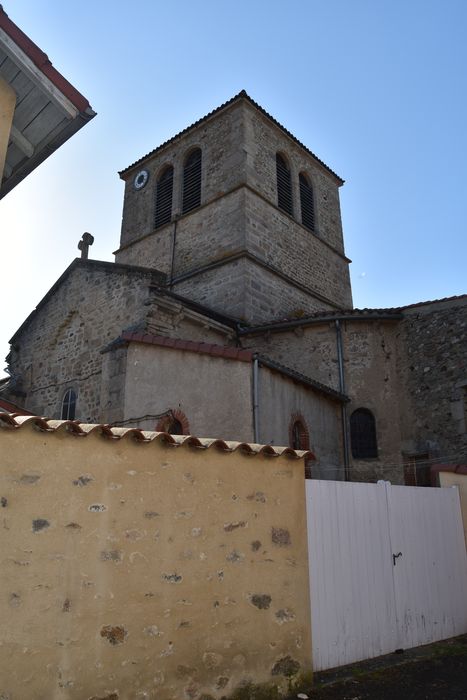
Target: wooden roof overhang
column 48, row 108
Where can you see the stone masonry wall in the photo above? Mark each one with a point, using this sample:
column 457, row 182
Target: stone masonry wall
column 434, row 378
column 371, row 374
column 143, row 570
column 263, row 141
column 59, row 348
column 239, row 215
column 280, row 241
column 220, row 140
column 250, row 292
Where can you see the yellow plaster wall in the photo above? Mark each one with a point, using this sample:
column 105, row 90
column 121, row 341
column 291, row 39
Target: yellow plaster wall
column 148, row 571
column 7, row 110
column 460, row 480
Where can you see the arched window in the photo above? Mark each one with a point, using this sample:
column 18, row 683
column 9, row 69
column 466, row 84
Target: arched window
column 299, row 439
column 69, row 405
column 174, row 423
column 191, row 197
column 164, row 187
column 284, row 185
column 174, row 427
column 306, row 202
column 363, row 434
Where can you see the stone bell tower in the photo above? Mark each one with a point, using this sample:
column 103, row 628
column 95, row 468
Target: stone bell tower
column 240, row 216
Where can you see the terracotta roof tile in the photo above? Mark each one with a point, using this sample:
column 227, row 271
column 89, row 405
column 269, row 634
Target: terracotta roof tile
column 75, row 428
column 212, row 349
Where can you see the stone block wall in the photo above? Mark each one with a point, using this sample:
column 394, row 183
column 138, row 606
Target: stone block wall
column 143, row 570
column 59, row 347
column 434, row 377
column 263, row 140
column 371, row 355
column 220, row 140
column 239, row 216
column 296, row 252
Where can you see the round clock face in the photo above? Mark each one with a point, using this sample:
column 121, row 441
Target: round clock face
column 141, row 179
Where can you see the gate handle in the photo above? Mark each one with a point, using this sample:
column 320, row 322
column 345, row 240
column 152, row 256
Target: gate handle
column 396, row 556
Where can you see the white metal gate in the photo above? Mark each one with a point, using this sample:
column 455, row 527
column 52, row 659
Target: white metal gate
column 388, row 569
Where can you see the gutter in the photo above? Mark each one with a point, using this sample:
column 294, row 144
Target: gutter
column 289, row 325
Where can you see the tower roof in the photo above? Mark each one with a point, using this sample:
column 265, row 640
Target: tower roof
column 243, row 95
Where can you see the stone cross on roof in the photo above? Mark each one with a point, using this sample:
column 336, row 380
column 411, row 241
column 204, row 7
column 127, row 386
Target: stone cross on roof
column 87, row 239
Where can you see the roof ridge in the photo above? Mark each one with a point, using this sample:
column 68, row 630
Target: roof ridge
column 240, row 95
column 201, row 347
column 299, row 376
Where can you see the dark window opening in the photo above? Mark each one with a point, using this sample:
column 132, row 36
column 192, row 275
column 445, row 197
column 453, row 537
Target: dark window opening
column 299, row 437
column 164, row 189
column 301, row 441
column 363, row 434
column 192, row 182
column 284, row 185
column 306, row 202
column 69, row 405
column 175, row 427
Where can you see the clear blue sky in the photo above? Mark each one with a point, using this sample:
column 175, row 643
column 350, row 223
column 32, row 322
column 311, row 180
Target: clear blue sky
column 376, row 88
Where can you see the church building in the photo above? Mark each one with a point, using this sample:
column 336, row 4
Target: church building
column 228, row 314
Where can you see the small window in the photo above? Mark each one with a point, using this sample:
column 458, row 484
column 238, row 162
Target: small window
column 300, row 440
column 192, row 182
column 284, row 185
column 174, row 423
column 164, row 188
column 306, row 202
column 363, row 434
column 299, row 436
column 175, row 427
column 69, row 405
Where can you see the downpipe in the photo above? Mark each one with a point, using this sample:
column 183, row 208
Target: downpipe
column 256, row 400
column 345, row 434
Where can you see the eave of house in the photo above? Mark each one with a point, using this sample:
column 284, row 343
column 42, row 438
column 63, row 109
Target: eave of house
column 48, row 108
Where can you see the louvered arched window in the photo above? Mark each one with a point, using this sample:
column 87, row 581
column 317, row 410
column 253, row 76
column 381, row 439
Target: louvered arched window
column 306, row 202
column 69, row 405
column 164, row 188
column 363, row 434
column 284, row 185
column 191, row 197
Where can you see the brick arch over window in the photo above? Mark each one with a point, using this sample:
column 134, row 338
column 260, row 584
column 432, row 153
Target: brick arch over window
column 173, row 422
column 299, row 439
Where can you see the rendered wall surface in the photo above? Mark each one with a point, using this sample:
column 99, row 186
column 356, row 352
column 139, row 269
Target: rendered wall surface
column 147, row 571
column 281, row 399
column 213, row 393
